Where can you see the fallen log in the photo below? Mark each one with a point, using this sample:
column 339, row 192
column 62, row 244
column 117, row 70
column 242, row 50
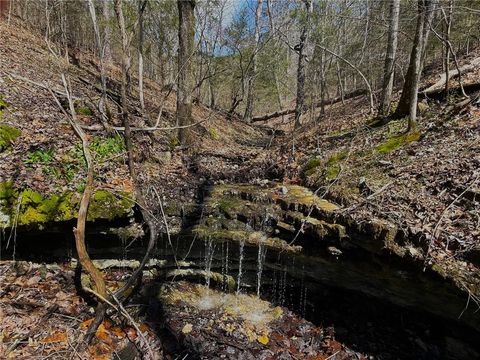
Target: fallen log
column 440, row 84
column 337, row 99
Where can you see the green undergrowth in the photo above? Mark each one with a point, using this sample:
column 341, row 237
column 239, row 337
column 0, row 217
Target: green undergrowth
column 67, row 165
column 30, row 208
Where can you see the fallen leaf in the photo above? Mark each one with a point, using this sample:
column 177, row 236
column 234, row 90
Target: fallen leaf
column 86, row 323
column 33, row 280
column 187, row 329
column 263, row 339
column 55, row 337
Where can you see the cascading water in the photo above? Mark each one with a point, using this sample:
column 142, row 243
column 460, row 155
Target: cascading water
column 225, row 266
column 260, row 261
column 240, row 261
column 209, row 251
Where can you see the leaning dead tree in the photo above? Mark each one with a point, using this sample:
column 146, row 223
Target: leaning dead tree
column 79, row 231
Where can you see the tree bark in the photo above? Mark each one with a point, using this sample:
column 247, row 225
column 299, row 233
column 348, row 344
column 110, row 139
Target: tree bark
column 107, row 52
column 253, row 65
column 300, row 99
column 389, row 68
column 186, row 33
column 407, row 105
column 141, row 10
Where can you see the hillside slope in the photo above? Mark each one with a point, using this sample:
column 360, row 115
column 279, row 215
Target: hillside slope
column 41, row 153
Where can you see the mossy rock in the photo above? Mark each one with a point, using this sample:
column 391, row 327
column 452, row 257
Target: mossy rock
column 35, row 209
column 398, row 141
column 8, row 135
column 249, row 238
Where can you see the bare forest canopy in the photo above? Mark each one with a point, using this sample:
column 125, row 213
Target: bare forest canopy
column 251, row 58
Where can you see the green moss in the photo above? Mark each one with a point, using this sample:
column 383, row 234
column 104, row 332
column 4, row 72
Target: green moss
column 3, row 105
column 84, row 110
column 8, row 135
column 332, row 166
column 339, row 156
column 37, row 209
column 310, row 166
column 398, row 141
column 106, row 205
column 228, row 203
column 6, row 190
column 213, row 134
column 174, row 142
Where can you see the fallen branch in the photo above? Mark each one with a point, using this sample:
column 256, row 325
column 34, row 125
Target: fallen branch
column 318, row 104
column 38, row 84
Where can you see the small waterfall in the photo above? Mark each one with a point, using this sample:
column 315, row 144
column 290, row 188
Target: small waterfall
column 209, row 251
column 303, row 294
column 240, row 261
column 225, row 267
column 282, row 286
column 260, row 261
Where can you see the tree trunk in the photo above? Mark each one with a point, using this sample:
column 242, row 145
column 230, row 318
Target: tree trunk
column 101, row 54
column 301, row 65
column 448, row 26
column 107, row 52
column 388, row 77
column 141, row 9
column 275, row 66
column 186, row 33
column 407, row 105
column 253, row 66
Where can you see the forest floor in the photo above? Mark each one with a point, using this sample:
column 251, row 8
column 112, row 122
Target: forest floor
column 427, row 184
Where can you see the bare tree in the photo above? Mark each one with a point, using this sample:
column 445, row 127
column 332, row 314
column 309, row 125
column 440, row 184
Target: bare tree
column 388, row 76
column 186, row 33
column 253, row 65
column 300, row 47
column 408, row 101
column 141, row 9
column 101, row 55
